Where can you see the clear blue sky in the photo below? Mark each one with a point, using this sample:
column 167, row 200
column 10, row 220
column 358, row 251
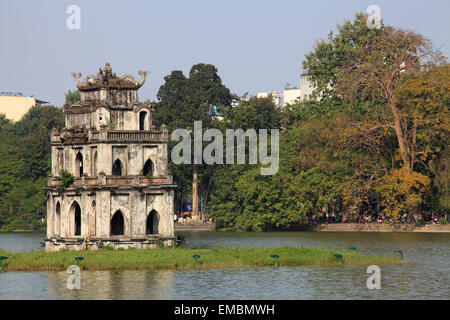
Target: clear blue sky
column 256, row 45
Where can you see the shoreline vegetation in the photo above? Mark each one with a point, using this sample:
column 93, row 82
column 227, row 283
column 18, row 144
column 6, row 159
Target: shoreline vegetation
column 323, row 227
column 183, row 258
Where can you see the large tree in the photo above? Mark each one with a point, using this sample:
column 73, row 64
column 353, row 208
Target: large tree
column 376, row 67
column 392, row 86
column 200, row 97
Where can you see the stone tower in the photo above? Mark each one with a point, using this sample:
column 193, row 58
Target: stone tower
column 122, row 194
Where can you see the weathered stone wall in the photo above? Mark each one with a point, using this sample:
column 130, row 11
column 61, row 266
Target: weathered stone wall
column 98, row 208
column 126, row 118
column 112, row 96
column 132, row 155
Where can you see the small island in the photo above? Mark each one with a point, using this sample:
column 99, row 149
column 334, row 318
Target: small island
column 183, row 258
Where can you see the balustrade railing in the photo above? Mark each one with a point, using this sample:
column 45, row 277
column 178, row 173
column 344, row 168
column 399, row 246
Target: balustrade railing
column 135, row 135
column 111, row 180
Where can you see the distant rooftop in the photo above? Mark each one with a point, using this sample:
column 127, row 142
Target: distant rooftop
column 40, row 102
column 16, row 94
column 20, row 94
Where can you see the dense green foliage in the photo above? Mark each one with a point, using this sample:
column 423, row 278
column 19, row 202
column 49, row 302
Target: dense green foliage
column 182, row 100
column 72, row 97
column 66, row 178
column 341, row 154
column 24, row 165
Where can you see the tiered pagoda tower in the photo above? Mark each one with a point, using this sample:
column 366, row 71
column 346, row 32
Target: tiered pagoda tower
column 122, row 194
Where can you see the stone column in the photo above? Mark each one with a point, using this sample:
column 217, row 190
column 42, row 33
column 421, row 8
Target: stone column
column 50, row 215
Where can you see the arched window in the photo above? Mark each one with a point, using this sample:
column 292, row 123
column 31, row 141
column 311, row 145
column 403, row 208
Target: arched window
column 57, row 227
column 92, row 219
column 117, row 168
column 152, row 223
column 60, row 162
column 79, row 164
column 117, row 225
column 94, row 164
column 75, row 213
column 148, row 168
column 142, row 117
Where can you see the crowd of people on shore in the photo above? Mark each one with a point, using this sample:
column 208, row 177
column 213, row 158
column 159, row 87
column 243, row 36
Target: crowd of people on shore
column 424, row 217
column 187, row 219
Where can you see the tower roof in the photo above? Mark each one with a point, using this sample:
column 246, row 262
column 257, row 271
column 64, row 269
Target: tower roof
column 106, row 79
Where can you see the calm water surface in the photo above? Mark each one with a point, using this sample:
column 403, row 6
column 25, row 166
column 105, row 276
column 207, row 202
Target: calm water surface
column 424, row 275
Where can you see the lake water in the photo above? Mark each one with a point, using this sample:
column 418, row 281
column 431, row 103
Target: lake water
column 424, row 275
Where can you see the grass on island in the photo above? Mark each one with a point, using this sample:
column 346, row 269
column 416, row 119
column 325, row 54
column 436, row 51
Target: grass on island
column 182, row 258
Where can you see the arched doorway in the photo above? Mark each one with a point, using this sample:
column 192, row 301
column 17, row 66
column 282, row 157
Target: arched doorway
column 75, row 214
column 152, row 223
column 117, row 168
column 57, row 227
column 142, row 117
column 117, row 224
column 79, row 164
column 148, row 168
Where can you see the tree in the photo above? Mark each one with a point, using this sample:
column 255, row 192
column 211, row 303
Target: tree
column 375, row 68
column 25, row 164
column 255, row 113
column 423, row 101
column 201, row 97
column 72, row 97
column 170, row 110
column 329, row 55
column 401, row 192
column 34, row 129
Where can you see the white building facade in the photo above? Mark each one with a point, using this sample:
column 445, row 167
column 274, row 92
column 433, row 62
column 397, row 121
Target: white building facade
column 302, row 93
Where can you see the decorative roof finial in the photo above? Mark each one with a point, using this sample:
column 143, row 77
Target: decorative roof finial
column 107, row 68
column 76, row 76
column 143, row 75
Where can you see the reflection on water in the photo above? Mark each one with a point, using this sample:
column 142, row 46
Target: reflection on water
column 424, row 275
column 113, row 285
column 21, row 241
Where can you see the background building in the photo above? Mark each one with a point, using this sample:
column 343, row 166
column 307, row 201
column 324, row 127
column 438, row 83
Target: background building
column 14, row 104
column 275, row 96
column 292, row 95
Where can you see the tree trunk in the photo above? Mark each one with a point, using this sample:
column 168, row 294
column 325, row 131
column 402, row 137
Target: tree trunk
column 413, row 212
column 195, row 215
column 406, row 155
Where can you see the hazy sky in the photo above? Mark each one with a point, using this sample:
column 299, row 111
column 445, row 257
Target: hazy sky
column 256, row 45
